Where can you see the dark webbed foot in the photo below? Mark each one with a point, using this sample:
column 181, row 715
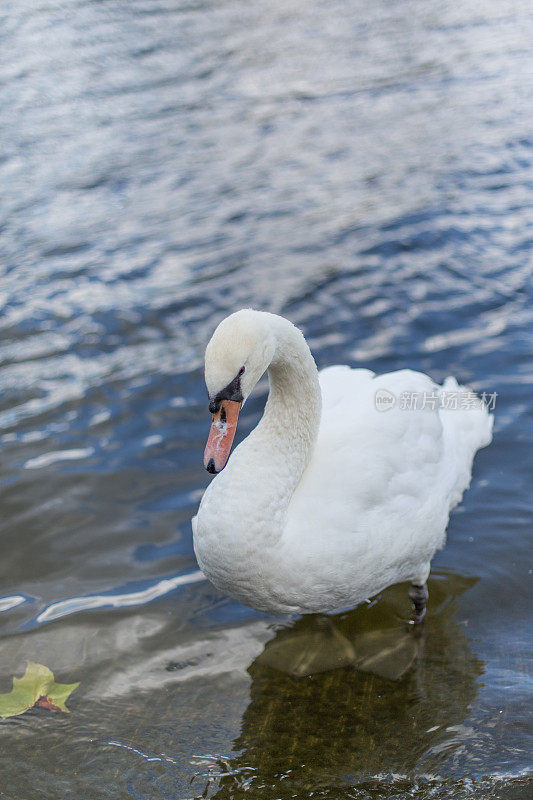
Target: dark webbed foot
column 419, row 596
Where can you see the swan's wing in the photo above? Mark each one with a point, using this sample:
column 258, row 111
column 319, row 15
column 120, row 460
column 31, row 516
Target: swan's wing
column 388, row 478
column 467, row 428
column 424, row 432
column 367, row 463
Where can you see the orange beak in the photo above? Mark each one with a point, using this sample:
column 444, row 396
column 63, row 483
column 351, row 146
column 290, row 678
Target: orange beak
column 221, row 436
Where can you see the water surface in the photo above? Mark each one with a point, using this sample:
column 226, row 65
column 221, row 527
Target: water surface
column 362, row 168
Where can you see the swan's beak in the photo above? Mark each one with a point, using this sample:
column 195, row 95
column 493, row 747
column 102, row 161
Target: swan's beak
column 221, row 436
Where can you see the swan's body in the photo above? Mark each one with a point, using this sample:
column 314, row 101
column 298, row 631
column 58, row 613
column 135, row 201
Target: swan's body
column 328, row 501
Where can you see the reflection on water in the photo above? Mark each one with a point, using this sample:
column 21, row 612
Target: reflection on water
column 317, row 645
column 116, row 599
column 339, row 728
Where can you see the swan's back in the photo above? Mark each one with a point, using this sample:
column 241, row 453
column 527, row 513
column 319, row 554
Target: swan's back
column 428, row 433
column 380, row 484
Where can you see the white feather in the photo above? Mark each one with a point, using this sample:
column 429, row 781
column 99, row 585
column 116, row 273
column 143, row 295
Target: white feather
column 329, row 500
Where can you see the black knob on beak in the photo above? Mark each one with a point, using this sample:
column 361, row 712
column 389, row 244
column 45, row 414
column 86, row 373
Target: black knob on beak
column 211, row 467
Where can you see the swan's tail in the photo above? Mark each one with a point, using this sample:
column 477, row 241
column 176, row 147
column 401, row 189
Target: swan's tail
column 468, row 427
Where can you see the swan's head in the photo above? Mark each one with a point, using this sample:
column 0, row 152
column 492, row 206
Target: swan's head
column 239, row 352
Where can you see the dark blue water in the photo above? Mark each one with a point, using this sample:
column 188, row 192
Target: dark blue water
column 362, row 168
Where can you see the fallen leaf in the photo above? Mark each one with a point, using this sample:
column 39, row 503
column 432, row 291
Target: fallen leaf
column 36, row 687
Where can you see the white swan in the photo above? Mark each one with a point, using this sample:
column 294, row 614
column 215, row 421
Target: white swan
column 328, row 500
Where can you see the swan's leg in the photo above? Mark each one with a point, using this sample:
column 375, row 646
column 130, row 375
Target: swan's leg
column 419, row 594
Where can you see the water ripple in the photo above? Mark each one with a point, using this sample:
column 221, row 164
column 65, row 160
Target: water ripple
column 116, row 599
column 363, row 168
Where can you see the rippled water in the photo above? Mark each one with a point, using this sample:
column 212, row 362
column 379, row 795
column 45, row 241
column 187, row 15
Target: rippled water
column 364, row 169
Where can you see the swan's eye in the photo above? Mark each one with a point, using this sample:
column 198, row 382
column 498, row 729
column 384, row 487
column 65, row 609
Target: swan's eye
column 241, row 371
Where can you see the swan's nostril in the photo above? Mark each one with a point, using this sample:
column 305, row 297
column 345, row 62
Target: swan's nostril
column 211, row 467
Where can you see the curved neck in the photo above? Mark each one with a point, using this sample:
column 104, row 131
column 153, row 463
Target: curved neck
column 292, row 412
column 278, row 450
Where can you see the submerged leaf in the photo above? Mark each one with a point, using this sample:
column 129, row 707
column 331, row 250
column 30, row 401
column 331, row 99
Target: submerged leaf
column 36, row 687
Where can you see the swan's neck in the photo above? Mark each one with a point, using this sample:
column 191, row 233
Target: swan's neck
column 265, row 469
column 288, row 428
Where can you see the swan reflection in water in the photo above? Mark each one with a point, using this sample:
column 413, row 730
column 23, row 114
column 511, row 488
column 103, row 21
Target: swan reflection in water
column 347, row 700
